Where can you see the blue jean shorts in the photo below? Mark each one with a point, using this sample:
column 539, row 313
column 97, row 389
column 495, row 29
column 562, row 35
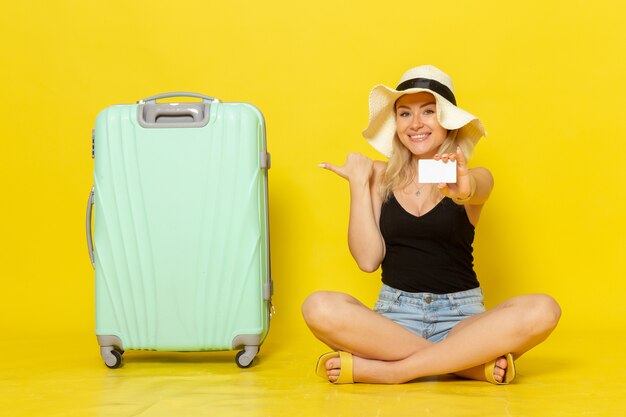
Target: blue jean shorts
column 430, row 316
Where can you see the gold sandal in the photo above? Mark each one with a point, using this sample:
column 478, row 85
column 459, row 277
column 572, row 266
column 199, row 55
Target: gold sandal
column 508, row 376
column 345, row 374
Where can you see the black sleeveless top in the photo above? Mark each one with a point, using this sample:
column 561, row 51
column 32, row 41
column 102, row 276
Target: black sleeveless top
column 430, row 253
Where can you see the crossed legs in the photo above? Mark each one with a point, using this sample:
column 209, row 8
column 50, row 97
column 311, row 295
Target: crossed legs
column 385, row 352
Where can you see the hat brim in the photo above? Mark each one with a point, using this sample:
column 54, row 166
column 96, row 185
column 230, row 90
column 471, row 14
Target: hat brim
column 382, row 122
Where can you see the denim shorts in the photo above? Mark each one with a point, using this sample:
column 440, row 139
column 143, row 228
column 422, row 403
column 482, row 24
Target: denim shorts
column 430, row 316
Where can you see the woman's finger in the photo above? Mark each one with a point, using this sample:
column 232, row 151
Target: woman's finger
column 337, row 170
column 329, row 166
column 460, row 158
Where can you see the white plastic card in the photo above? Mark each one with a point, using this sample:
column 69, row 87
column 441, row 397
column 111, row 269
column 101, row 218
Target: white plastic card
column 434, row 171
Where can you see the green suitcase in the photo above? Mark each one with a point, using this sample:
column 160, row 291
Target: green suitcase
column 180, row 241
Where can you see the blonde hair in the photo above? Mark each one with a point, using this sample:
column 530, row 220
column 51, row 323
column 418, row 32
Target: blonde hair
column 400, row 172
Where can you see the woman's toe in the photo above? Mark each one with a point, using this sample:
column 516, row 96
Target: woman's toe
column 501, row 363
column 334, row 363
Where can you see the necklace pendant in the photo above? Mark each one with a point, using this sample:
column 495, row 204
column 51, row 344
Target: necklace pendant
column 417, row 193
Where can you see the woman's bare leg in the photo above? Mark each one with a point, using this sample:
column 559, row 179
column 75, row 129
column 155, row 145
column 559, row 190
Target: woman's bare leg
column 344, row 323
column 514, row 326
column 477, row 372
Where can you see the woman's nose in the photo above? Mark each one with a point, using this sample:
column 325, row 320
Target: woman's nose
column 417, row 122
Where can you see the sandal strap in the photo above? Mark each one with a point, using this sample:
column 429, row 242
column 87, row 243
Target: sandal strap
column 345, row 375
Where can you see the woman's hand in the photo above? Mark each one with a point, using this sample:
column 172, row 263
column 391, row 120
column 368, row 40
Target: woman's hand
column 357, row 169
column 465, row 185
column 364, row 238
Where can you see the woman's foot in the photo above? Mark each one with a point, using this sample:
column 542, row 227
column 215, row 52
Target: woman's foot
column 478, row 373
column 499, row 371
column 382, row 372
column 363, row 370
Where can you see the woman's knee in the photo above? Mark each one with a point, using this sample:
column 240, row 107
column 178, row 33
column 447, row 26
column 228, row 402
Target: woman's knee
column 315, row 307
column 322, row 307
column 543, row 313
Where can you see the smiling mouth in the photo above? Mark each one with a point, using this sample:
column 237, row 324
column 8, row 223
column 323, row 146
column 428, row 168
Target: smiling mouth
column 419, row 137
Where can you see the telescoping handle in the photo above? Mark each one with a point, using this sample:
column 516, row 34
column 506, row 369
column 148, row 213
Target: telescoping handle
column 154, row 98
column 89, row 236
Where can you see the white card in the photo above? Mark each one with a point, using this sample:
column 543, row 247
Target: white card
column 433, row 171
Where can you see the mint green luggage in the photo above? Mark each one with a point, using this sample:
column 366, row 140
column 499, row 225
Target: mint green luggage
column 180, row 241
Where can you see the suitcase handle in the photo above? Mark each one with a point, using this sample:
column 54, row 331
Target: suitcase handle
column 154, row 98
column 89, row 236
column 176, row 113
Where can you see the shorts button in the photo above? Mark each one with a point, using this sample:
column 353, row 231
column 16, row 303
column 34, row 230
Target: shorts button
column 428, row 299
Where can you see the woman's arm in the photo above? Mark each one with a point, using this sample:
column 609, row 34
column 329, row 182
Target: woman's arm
column 472, row 188
column 364, row 238
column 481, row 184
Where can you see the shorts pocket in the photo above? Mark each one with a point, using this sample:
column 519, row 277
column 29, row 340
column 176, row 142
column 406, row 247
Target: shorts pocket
column 470, row 309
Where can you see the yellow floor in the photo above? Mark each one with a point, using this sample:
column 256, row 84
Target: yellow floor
column 570, row 375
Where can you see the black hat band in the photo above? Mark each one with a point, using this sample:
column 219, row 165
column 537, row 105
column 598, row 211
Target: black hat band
column 429, row 84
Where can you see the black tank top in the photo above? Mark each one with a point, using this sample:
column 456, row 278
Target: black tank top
column 430, row 253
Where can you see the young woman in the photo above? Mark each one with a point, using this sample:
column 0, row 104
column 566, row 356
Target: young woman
column 429, row 318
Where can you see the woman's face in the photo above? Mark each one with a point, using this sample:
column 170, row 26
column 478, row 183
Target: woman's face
column 417, row 125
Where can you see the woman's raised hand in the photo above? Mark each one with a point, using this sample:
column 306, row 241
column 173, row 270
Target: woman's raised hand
column 358, row 168
column 463, row 186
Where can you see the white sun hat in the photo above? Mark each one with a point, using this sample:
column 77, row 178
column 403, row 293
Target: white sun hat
column 382, row 124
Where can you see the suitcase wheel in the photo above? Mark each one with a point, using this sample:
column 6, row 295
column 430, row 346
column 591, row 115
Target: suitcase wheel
column 112, row 357
column 244, row 357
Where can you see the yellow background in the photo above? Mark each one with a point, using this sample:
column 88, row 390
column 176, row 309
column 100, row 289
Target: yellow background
column 546, row 78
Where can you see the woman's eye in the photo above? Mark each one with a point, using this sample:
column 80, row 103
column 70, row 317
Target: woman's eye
column 429, row 111
column 404, row 114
